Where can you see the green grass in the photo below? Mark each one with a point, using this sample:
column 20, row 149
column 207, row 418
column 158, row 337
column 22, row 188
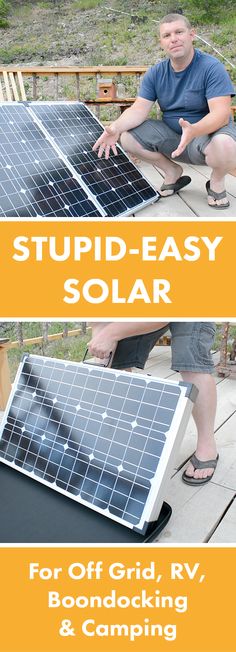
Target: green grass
column 68, row 91
column 17, row 52
column 45, row 5
column 22, row 11
column 83, row 5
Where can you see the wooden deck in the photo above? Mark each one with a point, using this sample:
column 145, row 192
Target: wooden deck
column 206, row 513
column 191, row 202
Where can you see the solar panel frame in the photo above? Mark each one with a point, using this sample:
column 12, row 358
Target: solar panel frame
column 119, row 196
column 156, row 479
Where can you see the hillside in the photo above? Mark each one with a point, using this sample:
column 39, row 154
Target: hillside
column 93, row 32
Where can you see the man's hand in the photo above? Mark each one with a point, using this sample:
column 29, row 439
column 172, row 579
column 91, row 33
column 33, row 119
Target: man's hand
column 107, row 141
column 188, row 133
column 102, row 346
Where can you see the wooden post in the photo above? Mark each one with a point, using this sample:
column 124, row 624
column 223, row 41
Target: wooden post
column 223, row 370
column 83, row 327
column 5, row 381
column 56, row 85
column 34, row 86
column 78, row 85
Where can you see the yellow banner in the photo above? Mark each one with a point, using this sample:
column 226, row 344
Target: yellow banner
column 144, row 598
column 117, row 270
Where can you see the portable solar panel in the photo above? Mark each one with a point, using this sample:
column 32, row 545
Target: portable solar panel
column 48, row 168
column 103, row 437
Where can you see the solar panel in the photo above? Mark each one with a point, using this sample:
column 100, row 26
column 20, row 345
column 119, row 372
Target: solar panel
column 103, row 437
column 48, row 168
column 34, row 181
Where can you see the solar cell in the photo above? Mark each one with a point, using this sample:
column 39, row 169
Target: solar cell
column 103, row 437
column 47, row 167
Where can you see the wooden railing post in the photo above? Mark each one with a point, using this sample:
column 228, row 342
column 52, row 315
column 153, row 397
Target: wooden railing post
column 5, row 381
column 222, row 367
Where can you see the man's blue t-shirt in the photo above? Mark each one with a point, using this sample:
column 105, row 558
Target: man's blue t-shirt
column 184, row 94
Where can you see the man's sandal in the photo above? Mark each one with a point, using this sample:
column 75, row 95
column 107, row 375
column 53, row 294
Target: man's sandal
column 175, row 187
column 216, row 196
column 198, row 464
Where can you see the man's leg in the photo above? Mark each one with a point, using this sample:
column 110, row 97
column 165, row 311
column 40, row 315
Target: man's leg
column 204, row 415
column 172, row 171
column 220, row 155
column 191, row 355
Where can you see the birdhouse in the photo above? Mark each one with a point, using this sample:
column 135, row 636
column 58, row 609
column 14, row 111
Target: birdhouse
column 106, row 89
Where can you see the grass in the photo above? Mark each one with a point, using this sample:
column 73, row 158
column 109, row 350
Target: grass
column 84, row 5
column 17, row 52
column 72, row 348
column 68, row 91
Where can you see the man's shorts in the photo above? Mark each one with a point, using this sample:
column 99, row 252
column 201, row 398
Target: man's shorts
column 191, row 344
column 157, row 136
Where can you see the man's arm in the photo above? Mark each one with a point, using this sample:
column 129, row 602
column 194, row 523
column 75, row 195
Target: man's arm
column 218, row 116
column 131, row 118
column 105, row 341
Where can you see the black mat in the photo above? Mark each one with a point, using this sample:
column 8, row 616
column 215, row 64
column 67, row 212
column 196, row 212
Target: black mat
column 32, row 513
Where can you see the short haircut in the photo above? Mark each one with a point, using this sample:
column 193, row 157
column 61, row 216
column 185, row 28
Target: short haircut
column 171, row 18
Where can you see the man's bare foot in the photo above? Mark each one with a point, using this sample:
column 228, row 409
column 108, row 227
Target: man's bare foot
column 203, row 456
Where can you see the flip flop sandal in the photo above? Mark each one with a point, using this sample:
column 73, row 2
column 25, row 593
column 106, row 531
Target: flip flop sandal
column 217, row 196
column 198, row 464
column 175, row 187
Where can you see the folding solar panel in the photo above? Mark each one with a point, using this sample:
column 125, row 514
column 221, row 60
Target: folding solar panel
column 48, row 168
column 103, row 437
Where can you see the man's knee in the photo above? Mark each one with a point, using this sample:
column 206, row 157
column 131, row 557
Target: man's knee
column 221, row 149
column 129, row 143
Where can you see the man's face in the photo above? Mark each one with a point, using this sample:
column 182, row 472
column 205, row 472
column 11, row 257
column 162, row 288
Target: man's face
column 176, row 39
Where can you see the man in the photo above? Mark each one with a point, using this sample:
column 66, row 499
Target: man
column 131, row 344
column 194, row 93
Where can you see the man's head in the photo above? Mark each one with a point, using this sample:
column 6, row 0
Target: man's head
column 176, row 38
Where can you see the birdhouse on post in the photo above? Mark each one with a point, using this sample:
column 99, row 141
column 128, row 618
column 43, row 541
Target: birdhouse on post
column 106, row 89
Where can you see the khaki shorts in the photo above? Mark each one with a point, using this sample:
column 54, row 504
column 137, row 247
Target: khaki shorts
column 156, row 136
column 191, row 344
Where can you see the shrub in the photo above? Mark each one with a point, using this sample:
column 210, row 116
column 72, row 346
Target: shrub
column 4, row 8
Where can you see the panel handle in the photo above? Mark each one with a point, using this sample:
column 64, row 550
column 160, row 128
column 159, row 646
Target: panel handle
column 107, row 361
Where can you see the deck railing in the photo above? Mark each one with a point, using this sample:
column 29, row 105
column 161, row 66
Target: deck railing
column 81, row 83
